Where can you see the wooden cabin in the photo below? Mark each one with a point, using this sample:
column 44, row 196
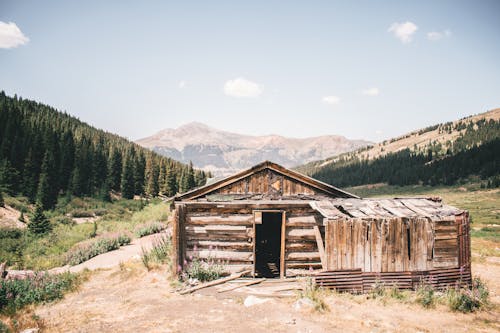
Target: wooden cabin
column 278, row 223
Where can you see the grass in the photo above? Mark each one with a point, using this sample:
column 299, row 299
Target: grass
column 315, row 294
column 456, row 299
column 160, row 253
column 123, row 216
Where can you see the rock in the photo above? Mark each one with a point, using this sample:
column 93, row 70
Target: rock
column 31, row 330
column 253, row 300
column 303, row 303
column 193, row 282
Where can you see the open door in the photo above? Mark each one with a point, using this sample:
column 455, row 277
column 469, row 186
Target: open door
column 269, row 244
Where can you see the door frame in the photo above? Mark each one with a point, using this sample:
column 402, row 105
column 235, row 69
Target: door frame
column 256, row 213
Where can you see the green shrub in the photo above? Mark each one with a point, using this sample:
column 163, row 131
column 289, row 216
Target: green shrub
column 149, row 228
column 159, row 253
column 425, row 296
column 64, row 220
column 468, row 300
column 100, row 212
column 40, row 288
column 85, row 250
column 378, row 290
column 315, row 294
column 4, row 328
column 12, row 242
column 82, row 213
column 203, row 270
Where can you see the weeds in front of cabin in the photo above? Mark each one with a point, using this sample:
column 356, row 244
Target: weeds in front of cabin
column 317, row 295
column 202, row 269
column 468, row 299
column 159, row 252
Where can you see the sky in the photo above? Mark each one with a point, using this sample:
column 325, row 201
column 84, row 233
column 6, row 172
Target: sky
column 363, row 69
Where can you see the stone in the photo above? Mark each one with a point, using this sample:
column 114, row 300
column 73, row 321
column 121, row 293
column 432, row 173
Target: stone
column 253, row 300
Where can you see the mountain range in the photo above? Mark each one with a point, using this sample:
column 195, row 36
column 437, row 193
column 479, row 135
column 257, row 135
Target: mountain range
column 223, row 152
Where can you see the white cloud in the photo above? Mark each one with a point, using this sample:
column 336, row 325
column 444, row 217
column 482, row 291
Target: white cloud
column 11, row 36
column 332, row 100
column 403, row 31
column 378, row 132
column 437, row 35
column 182, row 84
column 371, row 92
column 241, row 87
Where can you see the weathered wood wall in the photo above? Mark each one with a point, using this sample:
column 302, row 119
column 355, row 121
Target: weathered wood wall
column 227, row 234
column 397, row 244
column 267, row 182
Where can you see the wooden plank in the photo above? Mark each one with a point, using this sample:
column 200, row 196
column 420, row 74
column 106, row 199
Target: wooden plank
column 223, row 255
column 182, row 235
column 214, row 283
column 239, row 219
column 283, row 248
column 175, row 243
column 367, row 246
column 321, row 249
column 246, row 284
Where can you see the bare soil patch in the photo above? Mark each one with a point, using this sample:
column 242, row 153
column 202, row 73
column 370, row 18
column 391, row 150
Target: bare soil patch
column 130, row 299
column 9, row 218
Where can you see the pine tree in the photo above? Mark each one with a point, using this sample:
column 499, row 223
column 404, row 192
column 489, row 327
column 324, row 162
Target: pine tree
column 190, row 182
column 39, row 224
column 46, row 195
column 127, row 181
column 151, row 177
column 2, row 200
column 115, row 169
column 30, row 177
column 21, row 218
column 170, row 182
column 162, row 178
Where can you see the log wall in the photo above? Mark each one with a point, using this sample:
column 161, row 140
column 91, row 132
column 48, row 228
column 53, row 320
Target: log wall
column 399, row 244
column 227, row 234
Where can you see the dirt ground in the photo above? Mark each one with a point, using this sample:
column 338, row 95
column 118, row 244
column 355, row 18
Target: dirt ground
column 130, row 299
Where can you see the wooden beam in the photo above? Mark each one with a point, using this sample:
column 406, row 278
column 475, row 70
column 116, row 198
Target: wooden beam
column 283, row 237
column 255, row 281
column 321, row 248
column 215, row 282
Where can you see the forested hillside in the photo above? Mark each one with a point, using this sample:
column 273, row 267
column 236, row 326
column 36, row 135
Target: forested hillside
column 471, row 147
column 45, row 153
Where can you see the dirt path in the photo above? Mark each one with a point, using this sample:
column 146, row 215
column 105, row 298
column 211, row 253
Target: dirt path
column 113, row 258
column 130, row 299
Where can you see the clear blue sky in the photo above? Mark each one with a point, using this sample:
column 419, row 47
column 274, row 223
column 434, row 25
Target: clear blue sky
column 369, row 70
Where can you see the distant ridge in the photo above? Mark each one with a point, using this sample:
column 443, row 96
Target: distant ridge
column 439, row 154
column 225, row 152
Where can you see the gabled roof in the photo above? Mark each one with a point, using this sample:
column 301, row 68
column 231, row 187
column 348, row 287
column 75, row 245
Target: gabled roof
column 325, row 188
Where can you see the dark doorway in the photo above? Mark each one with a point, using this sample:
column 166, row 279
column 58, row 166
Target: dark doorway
column 268, row 245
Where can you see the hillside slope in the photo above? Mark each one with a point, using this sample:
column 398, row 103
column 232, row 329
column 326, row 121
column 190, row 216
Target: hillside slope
column 45, row 153
column 225, row 152
column 439, row 154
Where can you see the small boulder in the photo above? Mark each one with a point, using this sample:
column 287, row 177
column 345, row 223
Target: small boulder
column 303, row 303
column 253, row 300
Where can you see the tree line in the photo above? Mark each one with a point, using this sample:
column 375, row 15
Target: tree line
column 474, row 152
column 45, row 153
